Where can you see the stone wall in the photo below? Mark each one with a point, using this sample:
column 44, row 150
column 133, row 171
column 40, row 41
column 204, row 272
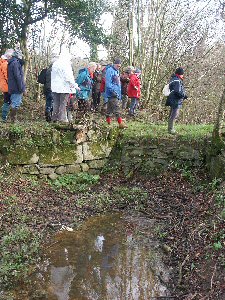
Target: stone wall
column 52, row 151
column 154, row 156
column 49, row 151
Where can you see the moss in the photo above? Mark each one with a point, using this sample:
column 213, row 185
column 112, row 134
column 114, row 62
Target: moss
column 58, row 155
column 21, row 155
column 97, row 148
column 217, row 167
column 16, row 132
column 4, row 146
column 67, row 137
column 42, row 140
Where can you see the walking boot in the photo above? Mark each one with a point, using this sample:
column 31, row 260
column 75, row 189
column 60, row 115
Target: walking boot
column 172, row 131
column 13, row 115
column 48, row 116
column 122, row 126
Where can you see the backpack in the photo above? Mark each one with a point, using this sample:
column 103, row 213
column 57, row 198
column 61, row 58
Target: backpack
column 166, row 90
column 42, row 76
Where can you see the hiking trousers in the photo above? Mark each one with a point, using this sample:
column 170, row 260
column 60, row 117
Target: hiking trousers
column 59, row 112
column 174, row 113
column 113, row 107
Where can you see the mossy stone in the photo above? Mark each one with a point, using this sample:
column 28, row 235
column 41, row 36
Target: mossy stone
column 21, row 155
column 60, row 155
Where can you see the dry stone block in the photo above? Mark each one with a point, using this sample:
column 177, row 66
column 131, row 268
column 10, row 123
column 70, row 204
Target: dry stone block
column 61, row 155
column 84, row 167
column 46, row 171
column 33, row 170
column 61, row 170
column 73, row 169
column 34, row 159
column 93, row 135
column 97, row 164
column 81, row 136
column 92, row 151
column 22, row 155
column 52, row 176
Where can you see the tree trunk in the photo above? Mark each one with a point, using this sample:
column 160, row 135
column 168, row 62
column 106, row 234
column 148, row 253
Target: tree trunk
column 131, row 32
column 24, row 49
column 219, row 118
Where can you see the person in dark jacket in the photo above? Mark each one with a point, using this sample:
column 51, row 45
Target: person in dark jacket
column 176, row 97
column 48, row 94
column 124, row 79
column 16, row 82
column 96, row 94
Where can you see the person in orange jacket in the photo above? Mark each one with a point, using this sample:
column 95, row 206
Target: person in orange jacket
column 4, row 83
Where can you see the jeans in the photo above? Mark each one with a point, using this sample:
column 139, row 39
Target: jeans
column 49, row 102
column 124, row 101
column 6, row 106
column 174, row 112
column 16, row 100
column 133, row 105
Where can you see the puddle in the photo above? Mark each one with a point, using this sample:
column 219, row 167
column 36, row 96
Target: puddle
column 107, row 259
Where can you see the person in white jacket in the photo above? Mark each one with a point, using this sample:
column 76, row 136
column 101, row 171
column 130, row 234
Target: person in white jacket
column 62, row 85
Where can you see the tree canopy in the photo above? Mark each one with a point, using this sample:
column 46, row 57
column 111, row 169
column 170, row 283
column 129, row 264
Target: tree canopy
column 81, row 18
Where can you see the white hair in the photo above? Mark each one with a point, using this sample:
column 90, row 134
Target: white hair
column 92, row 64
column 9, row 53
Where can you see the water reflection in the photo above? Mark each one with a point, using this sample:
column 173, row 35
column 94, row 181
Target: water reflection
column 61, row 278
column 104, row 260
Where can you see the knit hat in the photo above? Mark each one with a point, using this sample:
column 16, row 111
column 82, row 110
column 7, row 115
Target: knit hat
column 179, row 71
column 117, row 61
column 137, row 71
column 129, row 69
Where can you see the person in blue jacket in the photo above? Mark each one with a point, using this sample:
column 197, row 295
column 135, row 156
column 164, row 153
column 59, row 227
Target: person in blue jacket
column 176, row 97
column 16, row 82
column 113, row 93
column 85, row 82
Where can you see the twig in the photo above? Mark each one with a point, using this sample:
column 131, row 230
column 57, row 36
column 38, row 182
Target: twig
column 164, row 297
column 52, row 245
column 153, row 212
column 193, row 296
column 214, row 271
column 180, row 269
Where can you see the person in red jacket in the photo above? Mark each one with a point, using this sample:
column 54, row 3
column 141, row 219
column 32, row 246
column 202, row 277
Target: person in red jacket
column 134, row 90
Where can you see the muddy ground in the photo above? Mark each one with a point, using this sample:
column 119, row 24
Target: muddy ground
column 191, row 227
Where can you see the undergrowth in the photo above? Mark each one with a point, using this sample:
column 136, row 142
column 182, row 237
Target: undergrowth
column 75, row 182
column 19, row 250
